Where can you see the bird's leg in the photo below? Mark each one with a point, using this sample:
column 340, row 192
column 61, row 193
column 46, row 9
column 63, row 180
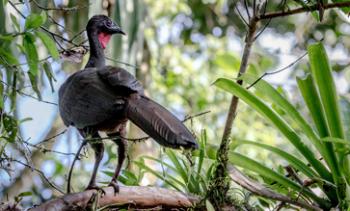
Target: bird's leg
column 122, row 145
column 98, row 148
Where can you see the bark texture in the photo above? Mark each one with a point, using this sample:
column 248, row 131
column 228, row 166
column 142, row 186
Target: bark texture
column 132, row 196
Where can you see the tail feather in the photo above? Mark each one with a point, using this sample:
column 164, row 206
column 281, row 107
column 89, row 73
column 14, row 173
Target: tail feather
column 159, row 123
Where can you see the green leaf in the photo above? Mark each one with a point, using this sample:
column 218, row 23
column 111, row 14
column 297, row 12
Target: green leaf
column 2, row 18
column 23, row 194
column 337, row 140
column 282, row 102
column 308, row 90
column 345, row 107
column 292, row 160
column 11, row 127
column 227, row 61
column 34, row 82
column 49, row 44
column 13, row 90
column 26, row 119
column 49, row 75
column 322, row 73
column 265, row 89
column 15, row 22
column 8, row 38
column 201, row 152
column 35, row 20
column 31, row 53
column 159, row 175
column 179, row 167
column 10, row 59
column 283, row 127
column 249, row 164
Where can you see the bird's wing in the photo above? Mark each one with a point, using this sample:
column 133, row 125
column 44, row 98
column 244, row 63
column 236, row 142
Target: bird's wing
column 120, row 78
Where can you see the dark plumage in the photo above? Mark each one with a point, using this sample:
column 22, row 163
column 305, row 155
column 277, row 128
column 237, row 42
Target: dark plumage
column 103, row 98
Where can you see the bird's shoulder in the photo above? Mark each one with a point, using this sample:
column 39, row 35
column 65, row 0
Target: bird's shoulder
column 119, row 77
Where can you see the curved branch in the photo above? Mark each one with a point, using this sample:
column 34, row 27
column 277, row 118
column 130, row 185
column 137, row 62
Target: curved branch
column 134, row 196
column 263, row 191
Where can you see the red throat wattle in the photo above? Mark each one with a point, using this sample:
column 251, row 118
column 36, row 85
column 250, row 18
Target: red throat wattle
column 104, row 39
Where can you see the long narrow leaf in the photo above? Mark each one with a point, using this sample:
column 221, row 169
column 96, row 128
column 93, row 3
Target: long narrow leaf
column 292, row 160
column 274, row 96
column 157, row 174
column 308, row 90
column 179, row 167
column 31, row 53
column 264, row 110
column 321, row 72
column 313, row 102
column 247, row 163
column 49, row 44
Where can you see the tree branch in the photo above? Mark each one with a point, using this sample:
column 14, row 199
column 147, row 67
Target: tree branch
column 134, row 196
column 61, row 8
column 260, row 190
column 303, row 9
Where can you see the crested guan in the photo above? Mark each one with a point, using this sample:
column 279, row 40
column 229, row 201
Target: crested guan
column 103, row 98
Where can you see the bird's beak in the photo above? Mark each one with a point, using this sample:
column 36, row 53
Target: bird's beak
column 115, row 29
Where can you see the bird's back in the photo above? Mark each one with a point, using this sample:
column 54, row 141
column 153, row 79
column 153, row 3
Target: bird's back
column 86, row 100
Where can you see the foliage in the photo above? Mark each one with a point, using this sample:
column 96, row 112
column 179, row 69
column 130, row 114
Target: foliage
column 319, row 93
column 190, row 175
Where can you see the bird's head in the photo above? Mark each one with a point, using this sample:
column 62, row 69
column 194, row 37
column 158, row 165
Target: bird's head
column 103, row 27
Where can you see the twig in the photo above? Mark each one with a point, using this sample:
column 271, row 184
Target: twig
column 195, row 115
column 77, row 35
column 40, row 173
column 260, row 190
column 58, row 24
column 65, row 9
column 51, row 138
column 246, row 8
column 293, row 174
column 303, row 9
column 44, row 150
column 263, row 29
column 241, row 16
column 120, row 62
column 277, row 71
column 77, row 154
column 242, row 69
column 43, row 28
column 27, row 95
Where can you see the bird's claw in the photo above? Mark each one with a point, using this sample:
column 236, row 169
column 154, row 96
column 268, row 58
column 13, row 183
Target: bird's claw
column 95, row 187
column 115, row 186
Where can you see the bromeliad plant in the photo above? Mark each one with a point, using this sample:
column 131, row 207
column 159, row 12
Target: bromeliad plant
column 326, row 163
column 188, row 174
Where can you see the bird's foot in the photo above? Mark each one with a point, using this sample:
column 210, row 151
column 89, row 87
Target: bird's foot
column 115, row 186
column 95, row 187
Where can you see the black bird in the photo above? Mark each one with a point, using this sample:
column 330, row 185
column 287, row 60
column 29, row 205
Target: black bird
column 103, row 98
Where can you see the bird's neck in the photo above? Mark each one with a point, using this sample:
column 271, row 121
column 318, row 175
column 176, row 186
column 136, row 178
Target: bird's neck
column 97, row 56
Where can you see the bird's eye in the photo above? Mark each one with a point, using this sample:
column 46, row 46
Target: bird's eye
column 109, row 23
